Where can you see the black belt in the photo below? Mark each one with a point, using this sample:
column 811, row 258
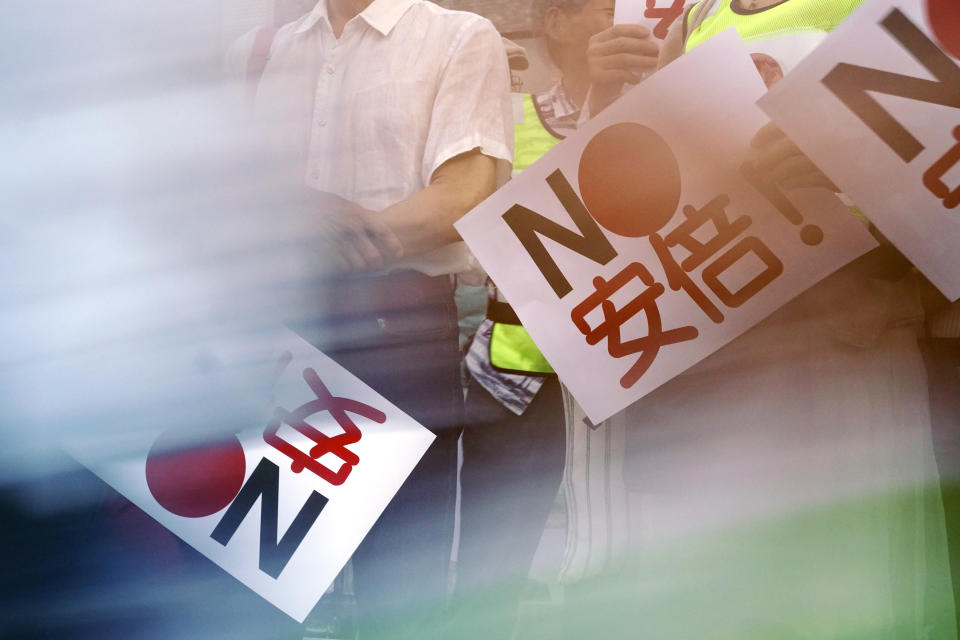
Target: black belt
column 501, row 312
column 395, row 291
column 399, row 307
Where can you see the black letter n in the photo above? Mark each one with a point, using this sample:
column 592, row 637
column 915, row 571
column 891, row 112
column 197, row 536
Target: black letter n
column 265, row 482
column 850, row 83
column 590, row 242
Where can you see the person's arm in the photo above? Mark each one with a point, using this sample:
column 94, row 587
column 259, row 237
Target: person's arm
column 356, row 239
column 471, row 132
column 471, row 129
column 424, row 221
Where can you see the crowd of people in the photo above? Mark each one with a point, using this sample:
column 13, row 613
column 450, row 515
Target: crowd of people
column 397, row 116
column 798, row 483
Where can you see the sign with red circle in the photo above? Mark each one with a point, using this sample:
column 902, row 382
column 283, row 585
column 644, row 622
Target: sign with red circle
column 644, row 242
column 876, row 106
column 282, row 501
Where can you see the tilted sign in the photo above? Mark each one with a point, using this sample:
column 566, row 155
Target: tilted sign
column 670, row 247
column 283, row 504
column 877, row 107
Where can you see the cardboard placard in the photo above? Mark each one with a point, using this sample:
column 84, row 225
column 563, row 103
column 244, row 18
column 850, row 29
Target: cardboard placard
column 877, row 107
column 657, row 15
column 642, row 244
column 281, row 503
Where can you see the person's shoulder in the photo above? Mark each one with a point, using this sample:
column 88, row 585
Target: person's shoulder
column 289, row 29
column 453, row 20
column 239, row 52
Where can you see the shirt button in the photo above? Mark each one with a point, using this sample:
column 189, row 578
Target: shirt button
column 330, row 69
column 321, row 123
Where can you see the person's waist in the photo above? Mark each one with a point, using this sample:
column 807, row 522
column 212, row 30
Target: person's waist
column 393, row 291
column 448, row 259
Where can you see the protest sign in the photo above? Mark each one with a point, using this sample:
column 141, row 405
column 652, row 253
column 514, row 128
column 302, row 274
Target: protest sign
column 281, row 502
column 643, row 243
column 657, row 15
column 877, row 107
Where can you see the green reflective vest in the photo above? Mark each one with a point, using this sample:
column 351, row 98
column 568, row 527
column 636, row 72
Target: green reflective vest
column 532, row 139
column 778, row 31
column 511, row 348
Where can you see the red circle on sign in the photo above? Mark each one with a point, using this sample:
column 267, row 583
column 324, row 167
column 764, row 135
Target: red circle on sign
column 630, row 180
column 194, row 479
column 770, row 70
column 944, row 16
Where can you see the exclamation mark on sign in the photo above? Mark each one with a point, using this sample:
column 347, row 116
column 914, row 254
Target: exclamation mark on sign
column 810, row 234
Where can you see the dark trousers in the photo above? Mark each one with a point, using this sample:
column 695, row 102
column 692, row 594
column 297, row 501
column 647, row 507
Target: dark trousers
column 512, row 470
column 399, row 335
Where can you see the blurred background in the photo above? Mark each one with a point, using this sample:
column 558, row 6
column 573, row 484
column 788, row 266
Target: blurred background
column 139, row 217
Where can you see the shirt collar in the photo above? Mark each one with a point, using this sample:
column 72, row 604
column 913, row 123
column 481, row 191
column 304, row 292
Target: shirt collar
column 556, row 97
column 382, row 15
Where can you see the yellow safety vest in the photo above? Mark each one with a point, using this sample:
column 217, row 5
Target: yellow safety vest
column 531, row 137
column 783, row 22
column 512, row 350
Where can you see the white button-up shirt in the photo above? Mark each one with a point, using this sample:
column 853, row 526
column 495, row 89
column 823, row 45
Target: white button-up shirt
column 370, row 116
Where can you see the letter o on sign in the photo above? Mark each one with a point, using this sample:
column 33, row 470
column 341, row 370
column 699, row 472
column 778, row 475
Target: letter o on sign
column 192, row 479
column 630, row 180
column 944, row 16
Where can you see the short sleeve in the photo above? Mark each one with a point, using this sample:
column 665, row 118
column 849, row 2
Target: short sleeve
column 472, row 108
column 238, row 56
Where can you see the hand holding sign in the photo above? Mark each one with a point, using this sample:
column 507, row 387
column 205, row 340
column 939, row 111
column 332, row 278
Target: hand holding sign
column 778, row 160
column 670, row 248
column 876, row 107
column 617, row 56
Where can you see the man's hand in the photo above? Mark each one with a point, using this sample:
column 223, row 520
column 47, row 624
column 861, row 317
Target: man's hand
column 781, row 162
column 617, row 56
column 352, row 238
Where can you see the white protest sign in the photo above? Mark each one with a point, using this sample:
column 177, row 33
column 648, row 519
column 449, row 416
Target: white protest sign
column 282, row 505
column 637, row 247
column 877, row 107
column 657, row 15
